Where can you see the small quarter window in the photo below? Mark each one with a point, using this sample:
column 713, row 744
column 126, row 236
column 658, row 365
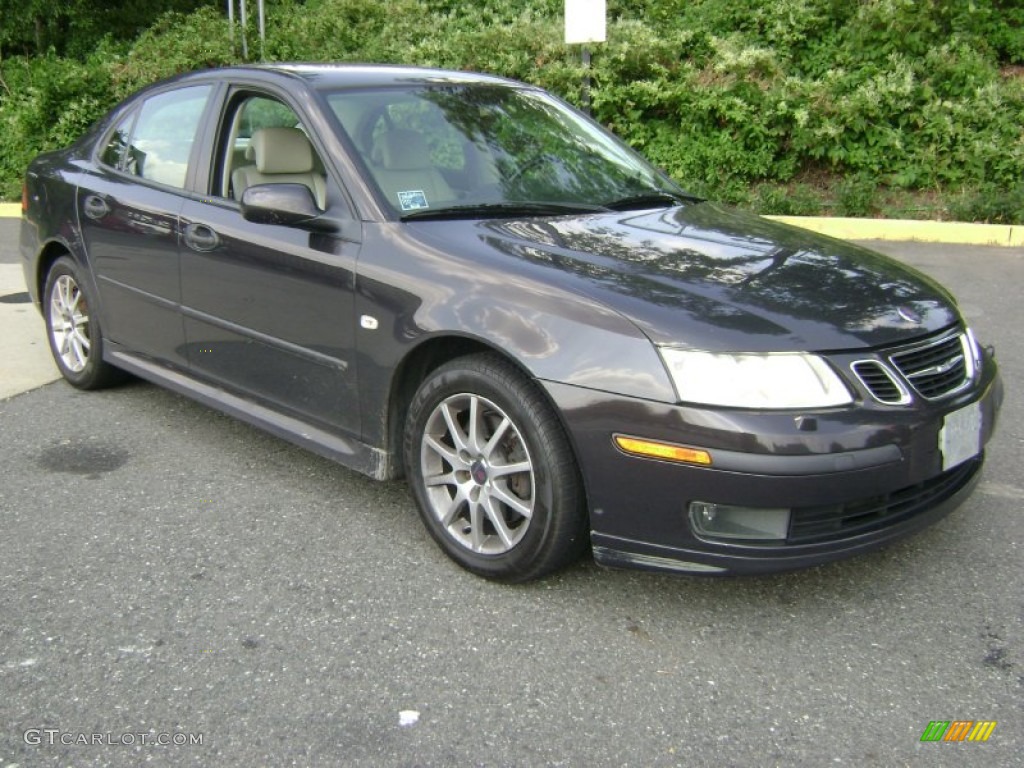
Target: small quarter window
column 117, row 147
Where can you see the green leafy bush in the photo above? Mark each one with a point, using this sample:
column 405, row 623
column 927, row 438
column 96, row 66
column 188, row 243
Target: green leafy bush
column 738, row 99
column 992, row 204
column 48, row 103
column 176, row 43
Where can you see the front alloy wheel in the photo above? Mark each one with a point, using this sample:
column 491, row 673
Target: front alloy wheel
column 492, row 471
column 478, row 474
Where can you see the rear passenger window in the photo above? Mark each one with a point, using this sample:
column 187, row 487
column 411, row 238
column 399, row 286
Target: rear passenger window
column 162, row 139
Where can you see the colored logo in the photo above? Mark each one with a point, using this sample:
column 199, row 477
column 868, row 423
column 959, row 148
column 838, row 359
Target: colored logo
column 958, row 730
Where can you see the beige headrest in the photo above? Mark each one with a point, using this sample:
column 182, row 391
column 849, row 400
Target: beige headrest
column 281, row 150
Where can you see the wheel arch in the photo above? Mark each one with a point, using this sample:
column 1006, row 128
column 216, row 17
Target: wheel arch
column 419, row 363
column 546, row 535
column 48, row 256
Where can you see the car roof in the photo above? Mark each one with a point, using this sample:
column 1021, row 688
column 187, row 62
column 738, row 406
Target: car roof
column 335, row 75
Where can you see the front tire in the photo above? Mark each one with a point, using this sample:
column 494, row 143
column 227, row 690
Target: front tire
column 73, row 329
column 492, row 471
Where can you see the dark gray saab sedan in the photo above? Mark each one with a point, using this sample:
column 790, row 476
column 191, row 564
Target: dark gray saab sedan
column 461, row 280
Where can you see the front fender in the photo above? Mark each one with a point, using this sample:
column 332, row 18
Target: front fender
column 410, row 293
column 564, row 339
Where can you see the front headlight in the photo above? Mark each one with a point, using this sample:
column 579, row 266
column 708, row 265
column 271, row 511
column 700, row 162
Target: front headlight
column 748, row 380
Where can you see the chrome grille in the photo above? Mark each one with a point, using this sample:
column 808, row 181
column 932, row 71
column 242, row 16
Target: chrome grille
column 936, row 368
column 880, row 382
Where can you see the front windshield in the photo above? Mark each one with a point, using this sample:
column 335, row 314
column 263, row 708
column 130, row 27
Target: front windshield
column 459, row 147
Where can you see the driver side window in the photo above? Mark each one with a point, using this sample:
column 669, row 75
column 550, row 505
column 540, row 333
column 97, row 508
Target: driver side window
column 266, row 143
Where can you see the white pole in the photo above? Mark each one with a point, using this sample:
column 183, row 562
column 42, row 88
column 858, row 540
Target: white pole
column 245, row 43
column 263, row 26
column 231, row 24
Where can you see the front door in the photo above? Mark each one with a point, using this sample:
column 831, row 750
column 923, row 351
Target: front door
column 269, row 309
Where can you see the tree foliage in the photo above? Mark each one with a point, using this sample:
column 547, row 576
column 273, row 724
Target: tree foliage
column 772, row 104
column 75, row 27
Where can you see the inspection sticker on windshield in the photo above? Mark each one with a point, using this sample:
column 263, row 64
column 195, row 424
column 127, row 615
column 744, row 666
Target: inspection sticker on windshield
column 413, row 200
column 960, row 436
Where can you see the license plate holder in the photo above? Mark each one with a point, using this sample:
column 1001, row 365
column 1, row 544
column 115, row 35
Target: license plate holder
column 960, row 436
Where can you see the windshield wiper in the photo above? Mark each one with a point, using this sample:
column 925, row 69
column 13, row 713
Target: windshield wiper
column 508, row 208
column 652, row 199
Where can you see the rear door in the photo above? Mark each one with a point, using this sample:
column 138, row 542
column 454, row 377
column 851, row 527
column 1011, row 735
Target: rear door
column 128, row 212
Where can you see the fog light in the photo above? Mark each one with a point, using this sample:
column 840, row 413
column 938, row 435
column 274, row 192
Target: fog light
column 723, row 521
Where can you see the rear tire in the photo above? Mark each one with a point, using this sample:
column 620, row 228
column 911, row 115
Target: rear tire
column 73, row 330
column 492, row 471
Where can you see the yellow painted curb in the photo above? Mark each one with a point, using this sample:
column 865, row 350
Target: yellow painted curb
column 952, row 232
column 10, row 209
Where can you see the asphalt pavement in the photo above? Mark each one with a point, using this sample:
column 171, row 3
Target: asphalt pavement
column 170, row 574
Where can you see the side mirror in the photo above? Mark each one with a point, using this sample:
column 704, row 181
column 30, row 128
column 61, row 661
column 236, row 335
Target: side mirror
column 288, row 205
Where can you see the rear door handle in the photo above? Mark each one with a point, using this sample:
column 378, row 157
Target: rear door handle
column 95, row 207
column 200, row 237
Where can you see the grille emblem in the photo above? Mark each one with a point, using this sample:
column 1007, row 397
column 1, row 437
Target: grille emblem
column 909, row 315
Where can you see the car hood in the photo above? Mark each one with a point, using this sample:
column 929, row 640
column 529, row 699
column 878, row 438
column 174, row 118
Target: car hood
column 710, row 277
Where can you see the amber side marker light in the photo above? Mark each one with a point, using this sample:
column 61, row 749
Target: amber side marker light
column 24, row 197
column 653, row 449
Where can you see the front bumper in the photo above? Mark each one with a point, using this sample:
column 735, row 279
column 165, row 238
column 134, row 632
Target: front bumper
column 856, row 478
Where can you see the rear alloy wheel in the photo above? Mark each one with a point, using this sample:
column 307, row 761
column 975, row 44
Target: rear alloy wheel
column 492, row 471
column 73, row 330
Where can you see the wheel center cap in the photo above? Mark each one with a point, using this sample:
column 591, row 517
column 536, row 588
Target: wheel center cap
column 479, row 473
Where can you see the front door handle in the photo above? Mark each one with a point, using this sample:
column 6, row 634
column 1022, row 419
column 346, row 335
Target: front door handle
column 95, row 207
column 200, row 237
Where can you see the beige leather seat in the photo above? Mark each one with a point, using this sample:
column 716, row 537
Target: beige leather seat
column 281, row 156
column 403, row 168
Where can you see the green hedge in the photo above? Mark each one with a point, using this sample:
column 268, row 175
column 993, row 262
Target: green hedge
column 46, row 102
column 794, row 106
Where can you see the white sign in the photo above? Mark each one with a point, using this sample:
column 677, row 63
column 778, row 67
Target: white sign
column 585, row 21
